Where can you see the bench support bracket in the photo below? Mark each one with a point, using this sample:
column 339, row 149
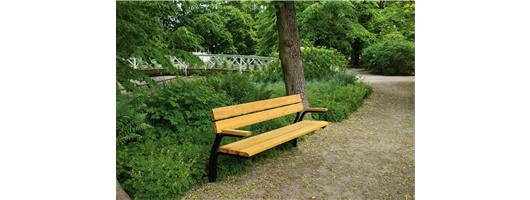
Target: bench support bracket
column 298, row 118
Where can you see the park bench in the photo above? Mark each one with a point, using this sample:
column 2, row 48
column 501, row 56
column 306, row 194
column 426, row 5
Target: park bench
column 227, row 119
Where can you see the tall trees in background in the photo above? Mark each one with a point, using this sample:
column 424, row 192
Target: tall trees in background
column 335, row 24
column 150, row 30
column 139, row 32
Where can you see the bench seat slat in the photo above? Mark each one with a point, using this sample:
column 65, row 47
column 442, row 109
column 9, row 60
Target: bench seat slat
column 282, row 139
column 254, row 145
column 234, row 148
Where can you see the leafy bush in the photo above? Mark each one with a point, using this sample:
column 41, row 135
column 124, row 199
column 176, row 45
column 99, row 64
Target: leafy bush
column 390, row 57
column 239, row 87
column 185, row 105
column 319, row 60
column 316, row 61
column 340, row 100
column 157, row 168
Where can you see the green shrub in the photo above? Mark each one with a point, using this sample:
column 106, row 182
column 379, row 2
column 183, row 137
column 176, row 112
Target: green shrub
column 390, row 57
column 239, row 87
column 185, row 106
column 316, row 61
column 340, row 99
column 319, row 60
column 157, row 168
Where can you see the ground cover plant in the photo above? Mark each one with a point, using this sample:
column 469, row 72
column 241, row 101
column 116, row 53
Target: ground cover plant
column 170, row 154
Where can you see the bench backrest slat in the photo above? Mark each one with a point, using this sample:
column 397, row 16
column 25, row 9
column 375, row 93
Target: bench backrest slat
column 253, row 118
column 241, row 109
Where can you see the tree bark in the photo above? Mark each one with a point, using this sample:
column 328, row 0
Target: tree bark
column 355, row 58
column 290, row 53
column 120, row 193
column 356, row 52
column 355, row 55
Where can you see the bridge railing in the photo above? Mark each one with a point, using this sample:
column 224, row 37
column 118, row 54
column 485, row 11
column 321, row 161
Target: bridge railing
column 219, row 61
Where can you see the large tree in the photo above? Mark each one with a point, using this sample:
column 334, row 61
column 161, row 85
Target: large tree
column 289, row 48
column 240, row 25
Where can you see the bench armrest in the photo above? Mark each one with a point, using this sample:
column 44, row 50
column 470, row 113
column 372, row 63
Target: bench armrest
column 300, row 115
column 316, row 109
column 236, row 132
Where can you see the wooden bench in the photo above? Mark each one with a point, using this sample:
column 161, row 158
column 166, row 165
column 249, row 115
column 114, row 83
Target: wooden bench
column 227, row 119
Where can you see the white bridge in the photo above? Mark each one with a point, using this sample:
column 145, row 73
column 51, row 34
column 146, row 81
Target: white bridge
column 216, row 61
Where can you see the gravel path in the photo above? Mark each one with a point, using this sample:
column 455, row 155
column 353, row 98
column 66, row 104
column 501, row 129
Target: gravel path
column 368, row 156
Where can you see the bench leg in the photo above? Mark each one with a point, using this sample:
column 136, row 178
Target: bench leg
column 213, row 158
column 213, row 168
column 295, row 142
column 212, row 174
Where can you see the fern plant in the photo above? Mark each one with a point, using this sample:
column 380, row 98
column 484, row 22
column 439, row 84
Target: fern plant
column 130, row 121
column 239, row 87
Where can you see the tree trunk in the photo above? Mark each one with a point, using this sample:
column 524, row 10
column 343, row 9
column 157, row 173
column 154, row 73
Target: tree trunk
column 329, row 42
column 290, row 54
column 120, row 193
column 356, row 52
column 355, row 58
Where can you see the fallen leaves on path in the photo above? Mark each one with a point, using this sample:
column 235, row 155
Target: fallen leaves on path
column 368, row 156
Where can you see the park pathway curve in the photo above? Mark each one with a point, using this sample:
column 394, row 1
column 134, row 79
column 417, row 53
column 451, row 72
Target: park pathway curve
column 368, row 156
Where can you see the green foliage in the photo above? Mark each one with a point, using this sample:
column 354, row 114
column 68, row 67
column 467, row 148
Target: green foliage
column 173, row 156
column 130, row 121
column 140, row 33
column 187, row 57
column 240, row 25
column 185, row 40
column 217, row 38
column 333, row 23
column 342, row 78
column 185, row 105
column 239, row 87
column 317, row 61
column 390, row 57
column 157, row 168
column 268, row 32
column 340, row 99
column 396, row 20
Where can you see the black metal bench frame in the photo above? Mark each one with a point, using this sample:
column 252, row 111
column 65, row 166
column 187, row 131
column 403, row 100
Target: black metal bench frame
column 214, row 154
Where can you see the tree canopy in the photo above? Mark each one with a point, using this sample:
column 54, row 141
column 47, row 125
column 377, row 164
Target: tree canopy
column 152, row 30
column 334, row 24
